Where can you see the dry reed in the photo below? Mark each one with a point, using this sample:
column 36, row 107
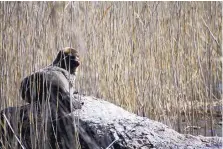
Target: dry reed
column 157, row 59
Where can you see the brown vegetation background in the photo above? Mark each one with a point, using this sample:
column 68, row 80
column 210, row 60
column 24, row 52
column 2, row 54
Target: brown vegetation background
column 157, row 59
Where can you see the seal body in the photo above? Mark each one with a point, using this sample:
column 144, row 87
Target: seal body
column 54, row 83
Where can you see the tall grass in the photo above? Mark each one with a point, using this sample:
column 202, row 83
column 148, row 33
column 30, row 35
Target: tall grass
column 157, row 59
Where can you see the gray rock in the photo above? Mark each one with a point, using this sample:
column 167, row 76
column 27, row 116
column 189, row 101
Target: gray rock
column 99, row 125
column 109, row 122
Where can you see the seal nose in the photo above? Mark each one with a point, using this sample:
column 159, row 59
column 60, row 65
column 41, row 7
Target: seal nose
column 77, row 59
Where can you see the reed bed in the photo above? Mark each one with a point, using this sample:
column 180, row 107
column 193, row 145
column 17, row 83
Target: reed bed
column 162, row 60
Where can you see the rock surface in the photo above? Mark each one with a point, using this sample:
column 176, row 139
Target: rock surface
column 102, row 125
column 109, row 123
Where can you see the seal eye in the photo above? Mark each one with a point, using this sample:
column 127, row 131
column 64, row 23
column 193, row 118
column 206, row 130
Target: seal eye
column 74, row 58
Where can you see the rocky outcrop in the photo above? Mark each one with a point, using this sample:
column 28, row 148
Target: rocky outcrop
column 108, row 123
column 100, row 124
